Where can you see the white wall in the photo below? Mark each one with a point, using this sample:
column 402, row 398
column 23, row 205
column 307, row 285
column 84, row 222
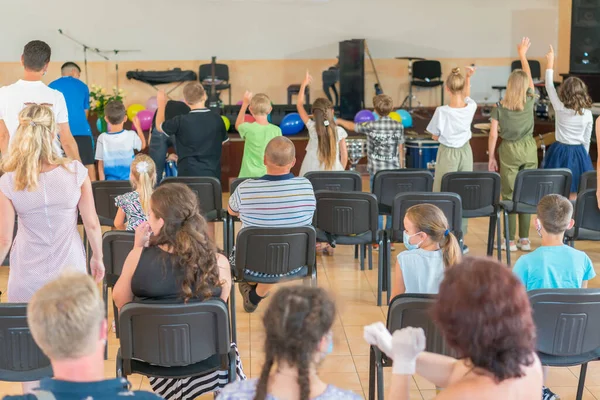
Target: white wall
column 278, row 29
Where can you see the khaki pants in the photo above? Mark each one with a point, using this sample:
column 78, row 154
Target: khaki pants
column 452, row 159
column 515, row 156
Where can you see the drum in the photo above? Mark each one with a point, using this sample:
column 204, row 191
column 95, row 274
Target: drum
column 421, row 153
column 357, row 149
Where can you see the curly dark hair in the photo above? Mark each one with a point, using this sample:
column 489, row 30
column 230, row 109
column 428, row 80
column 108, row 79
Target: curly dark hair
column 295, row 322
column 573, row 92
column 184, row 231
column 484, row 314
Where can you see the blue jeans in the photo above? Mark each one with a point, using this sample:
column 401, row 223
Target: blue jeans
column 159, row 144
column 388, row 219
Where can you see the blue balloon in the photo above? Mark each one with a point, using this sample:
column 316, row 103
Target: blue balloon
column 100, row 126
column 406, row 118
column 376, row 116
column 291, row 124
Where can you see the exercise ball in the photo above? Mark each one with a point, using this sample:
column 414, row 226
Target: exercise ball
column 406, row 118
column 395, row 116
column 375, row 116
column 145, row 117
column 152, row 104
column 248, row 118
column 364, row 116
column 226, row 122
column 291, row 124
column 133, row 109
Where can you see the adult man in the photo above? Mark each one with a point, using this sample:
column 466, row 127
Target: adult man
column 31, row 89
column 66, row 319
column 276, row 199
column 77, row 97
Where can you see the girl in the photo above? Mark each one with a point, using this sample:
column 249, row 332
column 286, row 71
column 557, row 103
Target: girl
column 431, row 249
column 326, row 149
column 135, row 206
column 574, row 123
column 514, row 116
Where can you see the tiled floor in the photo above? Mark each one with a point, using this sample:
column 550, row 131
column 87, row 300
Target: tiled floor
column 355, row 292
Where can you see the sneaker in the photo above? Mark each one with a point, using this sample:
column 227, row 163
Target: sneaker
column 524, row 245
column 547, row 394
column 513, row 246
column 465, row 249
column 245, row 289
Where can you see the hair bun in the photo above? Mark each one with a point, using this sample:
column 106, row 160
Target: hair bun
column 455, row 71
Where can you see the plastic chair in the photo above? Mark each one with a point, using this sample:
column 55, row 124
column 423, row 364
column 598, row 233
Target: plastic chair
column 273, row 251
column 530, row 186
column 295, row 90
column 21, row 360
column 175, row 340
column 588, row 180
column 587, row 218
column 338, row 181
column 105, row 193
column 427, row 74
column 221, row 73
column 534, row 65
column 387, row 184
column 480, row 196
column 405, row 310
column 567, row 323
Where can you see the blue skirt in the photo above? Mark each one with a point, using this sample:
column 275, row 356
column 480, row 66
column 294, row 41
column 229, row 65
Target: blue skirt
column 573, row 157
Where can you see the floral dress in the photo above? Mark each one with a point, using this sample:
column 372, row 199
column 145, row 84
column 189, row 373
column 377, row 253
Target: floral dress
column 130, row 204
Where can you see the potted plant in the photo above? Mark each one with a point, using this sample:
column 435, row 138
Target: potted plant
column 98, row 99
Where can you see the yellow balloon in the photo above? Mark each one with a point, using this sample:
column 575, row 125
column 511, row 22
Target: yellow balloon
column 133, row 109
column 227, row 122
column 395, row 116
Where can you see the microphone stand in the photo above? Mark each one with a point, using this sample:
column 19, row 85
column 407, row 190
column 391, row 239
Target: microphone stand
column 116, row 53
column 85, row 49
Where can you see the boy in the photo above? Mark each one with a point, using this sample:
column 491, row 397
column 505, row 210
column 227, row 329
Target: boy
column 554, row 265
column 115, row 148
column 199, row 135
column 256, row 135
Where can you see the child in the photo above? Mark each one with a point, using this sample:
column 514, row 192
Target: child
column 115, row 148
column 199, row 134
column 554, row 265
column 326, row 149
column 256, row 135
column 134, row 207
column 431, row 248
column 518, row 150
column 574, row 123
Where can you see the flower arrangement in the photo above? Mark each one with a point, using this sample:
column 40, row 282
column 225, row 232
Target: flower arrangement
column 98, row 99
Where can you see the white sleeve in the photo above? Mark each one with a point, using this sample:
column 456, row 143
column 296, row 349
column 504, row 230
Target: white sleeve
column 60, row 109
column 341, row 133
column 471, row 104
column 556, row 103
column 100, row 147
column 137, row 142
column 587, row 132
column 435, row 126
column 2, row 104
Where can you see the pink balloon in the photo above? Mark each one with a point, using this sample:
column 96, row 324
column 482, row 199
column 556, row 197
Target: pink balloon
column 145, row 117
column 152, row 104
column 239, row 103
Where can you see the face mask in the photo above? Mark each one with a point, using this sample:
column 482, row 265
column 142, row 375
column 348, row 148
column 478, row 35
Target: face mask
column 406, row 239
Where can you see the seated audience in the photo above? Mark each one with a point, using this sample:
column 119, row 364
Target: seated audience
column 298, row 337
column 135, row 206
column 178, row 262
column 431, row 249
column 285, row 200
column 484, row 315
column 67, row 321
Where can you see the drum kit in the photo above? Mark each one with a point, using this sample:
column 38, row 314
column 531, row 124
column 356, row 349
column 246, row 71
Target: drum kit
column 421, row 152
column 357, row 149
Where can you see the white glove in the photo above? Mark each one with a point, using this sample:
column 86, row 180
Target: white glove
column 407, row 343
column 377, row 335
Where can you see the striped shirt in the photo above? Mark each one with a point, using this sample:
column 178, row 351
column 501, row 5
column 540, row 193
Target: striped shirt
column 274, row 200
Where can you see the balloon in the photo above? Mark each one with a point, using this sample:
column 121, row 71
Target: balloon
column 269, row 118
column 248, row 118
column 406, row 118
column 101, row 125
column 152, row 104
column 133, row 109
column 226, row 122
column 291, row 124
column 145, row 117
column 395, row 116
column 239, row 103
column 376, row 116
column 363, row 116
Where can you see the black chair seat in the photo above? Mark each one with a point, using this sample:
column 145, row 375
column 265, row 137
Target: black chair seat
column 568, row 361
column 480, row 212
column 429, row 84
column 510, row 206
column 499, row 87
column 302, row 273
column 362, row 238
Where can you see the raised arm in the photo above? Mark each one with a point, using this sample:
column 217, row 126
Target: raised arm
column 347, row 125
column 549, row 81
column 300, row 105
column 467, row 89
column 522, row 50
column 161, row 99
column 242, row 113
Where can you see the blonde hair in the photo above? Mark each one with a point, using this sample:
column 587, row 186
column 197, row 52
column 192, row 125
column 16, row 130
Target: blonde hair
column 322, row 110
column 555, row 212
column 32, row 147
column 516, row 91
column 383, row 105
column 143, row 174
column 260, row 104
column 431, row 220
column 455, row 82
column 65, row 316
column 193, row 93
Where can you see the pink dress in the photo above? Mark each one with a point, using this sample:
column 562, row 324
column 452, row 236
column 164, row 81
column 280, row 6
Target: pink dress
column 47, row 239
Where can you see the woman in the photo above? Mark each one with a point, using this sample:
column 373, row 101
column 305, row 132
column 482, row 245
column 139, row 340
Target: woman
column 484, row 314
column 177, row 263
column 45, row 191
column 298, row 337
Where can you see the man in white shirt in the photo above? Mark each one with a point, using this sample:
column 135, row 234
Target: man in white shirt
column 31, row 89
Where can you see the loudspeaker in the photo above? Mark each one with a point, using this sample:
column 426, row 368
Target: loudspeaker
column 585, row 37
column 352, row 77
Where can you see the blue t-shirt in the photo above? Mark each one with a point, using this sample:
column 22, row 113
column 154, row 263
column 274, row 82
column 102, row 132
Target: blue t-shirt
column 554, row 267
column 77, row 96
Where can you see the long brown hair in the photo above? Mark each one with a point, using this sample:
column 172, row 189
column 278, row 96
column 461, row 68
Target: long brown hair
column 573, row 92
column 143, row 172
column 184, row 232
column 297, row 319
column 432, row 221
column 322, row 110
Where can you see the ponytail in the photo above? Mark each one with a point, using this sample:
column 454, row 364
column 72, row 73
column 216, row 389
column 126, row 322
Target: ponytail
column 326, row 133
column 451, row 252
column 143, row 170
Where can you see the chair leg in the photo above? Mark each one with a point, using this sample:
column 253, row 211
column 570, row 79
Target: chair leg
column 362, row 257
column 498, row 236
column 232, row 312
column 380, row 272
column 410, row 86
column 116, row 314
column 355, row 251
column 442, row 88
column 490, row 243
column 581, row 384
column 372, row 374
column 506, row 238
column 229, row 94
column 388, row 269
column 370, row 251
column 105, row 298
column 226, row 235
column 379, row 378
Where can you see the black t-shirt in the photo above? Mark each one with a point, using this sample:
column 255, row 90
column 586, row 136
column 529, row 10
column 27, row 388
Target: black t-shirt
column 172, row 109
column 199, row 137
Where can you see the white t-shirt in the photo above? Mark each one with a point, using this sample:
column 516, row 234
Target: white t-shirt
column 453, row 125
column 116, row 150
column 311, row 160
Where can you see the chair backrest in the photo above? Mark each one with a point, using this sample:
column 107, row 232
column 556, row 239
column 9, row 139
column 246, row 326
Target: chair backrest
column 208, row 190
column 449, row 203
column 534, row 65
column 533, row 184
column 346, row 213
column 478, row 191
column 235, row 183
column 414, row 310
column 388, row 183
column 587, row 214
column 116, row 246
column 276, row 250
column 174, row 335
column 588, row 180
column 427, row 69
column 104, row 197
column 339, row 181
column 221, row 72
column 567, row 320
column 21, row 360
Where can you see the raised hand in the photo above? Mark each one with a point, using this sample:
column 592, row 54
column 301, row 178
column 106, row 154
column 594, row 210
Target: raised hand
column 523, row 47
column 247, row 97
column 470, row 71
column 307, row 79
column 550, row 57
